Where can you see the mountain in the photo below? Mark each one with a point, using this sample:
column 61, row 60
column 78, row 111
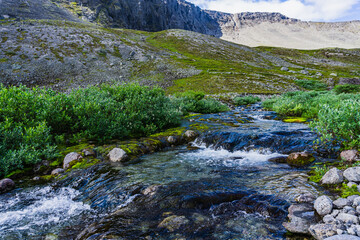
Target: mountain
column 251, row 29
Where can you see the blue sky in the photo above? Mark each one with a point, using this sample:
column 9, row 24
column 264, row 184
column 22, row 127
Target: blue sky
column 311, row 10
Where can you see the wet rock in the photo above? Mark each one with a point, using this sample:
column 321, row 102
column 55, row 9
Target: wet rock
column 173, row 223
column 323, row 205
column 343, row 237
column 305, row 198
column 350, row 156
column 88, row 152
column 322, row 231
column 280, row 159
column 352, row 174
column 117, row 155
column 299, row 159
column 57, row 171
column 6, row 185
column 341, row 203
column 333, row 176
column 151, row 190
column 191, row 135
column 70, row 159
column 171, row 140
column 301, row 217
column 347, row 218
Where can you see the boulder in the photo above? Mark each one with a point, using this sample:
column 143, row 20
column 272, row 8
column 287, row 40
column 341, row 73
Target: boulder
column 173, row 223
column 191, row 135
column 350, row 156
column 299, row 159
column 343, row 237
column 323, row 205
column 6, row 185
column 57, row 171
column 322, row 231
column 341, row 203
column 333, row 176
column 352, row 174
column 347, row 218
column 70, row 159
column 301, row 217
column 171, row 140
column 117, row 155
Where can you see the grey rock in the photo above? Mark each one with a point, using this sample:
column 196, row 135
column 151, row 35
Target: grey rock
column 348, row 209
column 6, row 185
column 347, row 218
column 350, row 184
column 191, row 135
column 351, row 230
column 117, row 155
column 304, row 72
column 343, row 237
column 333, row 176
column 284, row 69
column 57, row 171
column 70, row 159
column 352, row 174
column 88, row 152
column 328, row 219
column 333, row 74
column 151, row 190
column 358, row 210
column 352, row 198
column 350, row 155
column 322, row 231
column 319, row 74
column 301, row 217
column 335, row 213
column 356, row 201
column 341, row 203
column 305, row 198
column 339, row 232
column 171, row 140
column 323, row 205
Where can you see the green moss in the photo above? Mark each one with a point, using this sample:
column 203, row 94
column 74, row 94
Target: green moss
column 47, row 177
column 349, row 191
column 131, row 148
column 199, row 127
column 86, row 163
column 317, row 173
column 295, row 120
column 3, row 60
column 170, row 132
column 56, row 163
column 19, row 173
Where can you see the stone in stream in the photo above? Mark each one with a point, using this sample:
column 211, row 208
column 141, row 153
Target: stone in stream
column 6, row 185
column 191, row 135
column 322, row 231
column 280, row 159
column 70, row 159
column 300, row 159
column 343, row 237
column 323, row 205
column 117, row 155
column 333, row 176
column 171, row 140
column 352, row 174
column 173, row 223
column 350, row 156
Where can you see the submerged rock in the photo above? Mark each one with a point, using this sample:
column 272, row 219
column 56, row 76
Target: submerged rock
column 322, row 231
column 333, row 176
column 117, row 155
column 280, row 159
column 300, row 159
column 350, row 155
column 70, row 159
column 352, row 174
column 323, row 205
column 6, row 185
column 173, row 223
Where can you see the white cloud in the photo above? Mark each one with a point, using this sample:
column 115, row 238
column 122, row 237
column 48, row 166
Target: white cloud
column 324, row 10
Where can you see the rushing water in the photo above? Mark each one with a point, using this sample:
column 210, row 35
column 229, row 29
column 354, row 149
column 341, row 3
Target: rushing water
column 223, row 188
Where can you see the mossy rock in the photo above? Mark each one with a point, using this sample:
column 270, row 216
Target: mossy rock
column 295, row 120
column 300, row 159
column 86, row 163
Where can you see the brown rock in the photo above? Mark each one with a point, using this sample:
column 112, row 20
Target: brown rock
column 300, row 159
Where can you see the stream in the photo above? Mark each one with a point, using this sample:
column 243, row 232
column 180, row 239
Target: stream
column 220, row 187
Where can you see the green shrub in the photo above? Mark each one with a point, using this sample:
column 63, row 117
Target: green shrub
column 347, row 191
column 311, row 85
column 317, row 173
column 33, row 121
column 238, row 101
column 346, row 88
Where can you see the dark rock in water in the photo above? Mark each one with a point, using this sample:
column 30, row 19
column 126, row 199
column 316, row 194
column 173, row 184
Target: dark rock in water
column 323, row 231
column 173, row 223
column 6, row 185
column 301, row 217
column 300, row 159
column 281, row 159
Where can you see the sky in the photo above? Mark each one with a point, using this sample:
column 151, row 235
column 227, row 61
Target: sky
column 307, row 10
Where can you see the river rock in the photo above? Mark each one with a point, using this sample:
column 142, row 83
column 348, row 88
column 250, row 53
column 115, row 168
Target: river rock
column 171, row 140
column 280, row 159
column 322, row 231
column 299, row 159
column 352, row 174
column 57, row 171
column 333, row 176
column 347, row 218
column 117, row 155
column 88, row 152
column 70, row 159
column 301, row 217
column 173, row 223
column 151, row 190
column 343, row 237
column 305, row 198
column 323, row 205
column 191, row 135
column 350, row 155
column 341, row 203
column 6, row 185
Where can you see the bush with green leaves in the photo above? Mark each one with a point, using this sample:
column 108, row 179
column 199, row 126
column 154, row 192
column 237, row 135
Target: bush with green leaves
column 238, row 101
column 34, row 121
column 346, row 88
column 312, row 85
column 192, row 101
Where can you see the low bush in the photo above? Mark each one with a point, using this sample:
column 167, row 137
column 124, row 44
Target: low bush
column 238, row 101
column 311, row 85
column 346, row 88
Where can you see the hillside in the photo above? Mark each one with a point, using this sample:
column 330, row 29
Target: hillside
column 65, row 55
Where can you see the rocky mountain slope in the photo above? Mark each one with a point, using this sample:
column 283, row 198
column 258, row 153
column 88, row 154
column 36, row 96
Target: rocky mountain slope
column 65, row 55
column 251, row 29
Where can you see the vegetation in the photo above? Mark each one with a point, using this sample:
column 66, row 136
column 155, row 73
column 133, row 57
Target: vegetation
column 246, row 100
column 349, row 191
column 317, row 173
column 311, row 85
column 347, row 88
column 336, row 116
